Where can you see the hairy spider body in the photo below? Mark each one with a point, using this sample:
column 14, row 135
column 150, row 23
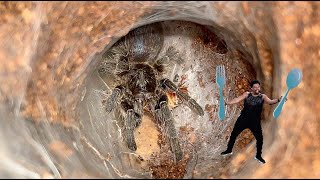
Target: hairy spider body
column 142, row 80
column 135, row 64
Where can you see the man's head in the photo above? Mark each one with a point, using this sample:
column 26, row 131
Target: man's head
column 255, row 86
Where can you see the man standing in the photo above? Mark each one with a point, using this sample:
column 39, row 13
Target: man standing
column 250, row 117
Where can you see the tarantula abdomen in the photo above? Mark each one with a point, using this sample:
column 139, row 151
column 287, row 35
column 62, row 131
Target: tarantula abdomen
column 145, row 43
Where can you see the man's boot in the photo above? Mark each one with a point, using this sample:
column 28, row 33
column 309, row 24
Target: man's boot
column 226, row 152
column 260, row 159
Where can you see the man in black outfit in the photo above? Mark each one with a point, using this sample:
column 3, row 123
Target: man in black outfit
column 250, row 117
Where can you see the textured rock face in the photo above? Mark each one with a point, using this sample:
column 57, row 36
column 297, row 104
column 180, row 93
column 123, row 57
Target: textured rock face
column 48, row 49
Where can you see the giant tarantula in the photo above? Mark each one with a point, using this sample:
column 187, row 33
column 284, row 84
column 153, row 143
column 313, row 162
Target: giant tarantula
column 133, row 61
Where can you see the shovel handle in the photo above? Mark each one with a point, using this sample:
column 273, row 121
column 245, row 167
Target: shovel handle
column 278, row 109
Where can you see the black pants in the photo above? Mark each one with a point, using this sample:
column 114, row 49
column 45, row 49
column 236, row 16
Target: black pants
column 255, row 127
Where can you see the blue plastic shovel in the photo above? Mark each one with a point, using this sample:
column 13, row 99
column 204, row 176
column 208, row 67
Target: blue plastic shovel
column 293, row 79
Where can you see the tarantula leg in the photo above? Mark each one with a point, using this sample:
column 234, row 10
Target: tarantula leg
column 166, row 83
column 174, row 55
column 123, row 65
column 171, row 55
column 106, row 67
column 130, row 124
column 114, row 98
column 164, row 117
column 130, row 121
column 138, row 109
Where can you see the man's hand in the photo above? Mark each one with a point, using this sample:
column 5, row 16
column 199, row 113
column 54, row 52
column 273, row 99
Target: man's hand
column 281, row 98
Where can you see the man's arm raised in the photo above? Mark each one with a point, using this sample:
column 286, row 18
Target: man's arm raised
column 238, row 99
